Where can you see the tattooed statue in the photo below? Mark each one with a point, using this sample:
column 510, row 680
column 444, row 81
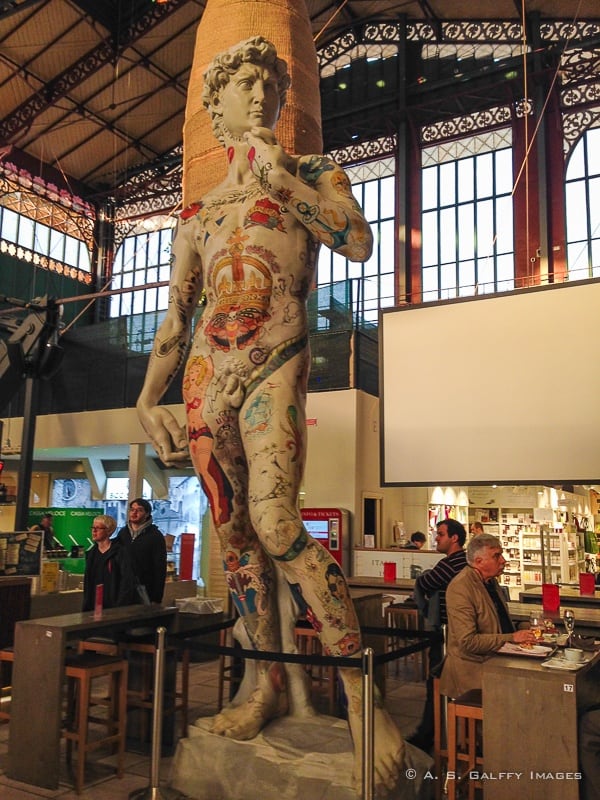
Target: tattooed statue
column 249, row 247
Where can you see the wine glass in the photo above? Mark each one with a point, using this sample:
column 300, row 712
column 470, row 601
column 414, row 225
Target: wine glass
column 569, row 621
column 536, row 625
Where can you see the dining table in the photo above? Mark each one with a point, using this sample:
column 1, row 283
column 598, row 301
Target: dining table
column 531, row 707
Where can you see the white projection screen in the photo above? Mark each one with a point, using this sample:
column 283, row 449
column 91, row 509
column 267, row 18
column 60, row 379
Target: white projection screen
column 497, row 389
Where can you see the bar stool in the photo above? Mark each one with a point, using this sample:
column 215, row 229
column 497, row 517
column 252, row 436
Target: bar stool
column 7, row 656
column 141, row 694
column 407, row 618
column 308, row 644
column 81, row 670
column 464, row 711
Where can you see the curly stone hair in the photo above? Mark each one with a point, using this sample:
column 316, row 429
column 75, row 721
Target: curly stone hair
column 256, row 50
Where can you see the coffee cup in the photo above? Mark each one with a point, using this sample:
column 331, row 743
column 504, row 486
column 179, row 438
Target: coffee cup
column 573, row 654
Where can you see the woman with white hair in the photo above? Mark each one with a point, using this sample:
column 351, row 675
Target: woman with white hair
column 107, row 564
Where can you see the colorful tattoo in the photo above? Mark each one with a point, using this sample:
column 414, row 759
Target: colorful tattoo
column 297, row 546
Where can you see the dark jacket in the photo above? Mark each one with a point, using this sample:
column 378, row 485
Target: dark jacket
column 113, row 570
column 148, row 554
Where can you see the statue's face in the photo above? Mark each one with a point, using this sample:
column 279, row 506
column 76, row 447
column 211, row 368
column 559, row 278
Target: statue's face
column 249, row 100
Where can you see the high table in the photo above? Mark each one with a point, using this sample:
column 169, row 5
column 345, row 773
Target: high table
column 587, row 619
column 38, row 675
column 530, row 727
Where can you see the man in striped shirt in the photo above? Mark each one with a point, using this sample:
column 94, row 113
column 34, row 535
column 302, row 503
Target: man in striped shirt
column 432, row 583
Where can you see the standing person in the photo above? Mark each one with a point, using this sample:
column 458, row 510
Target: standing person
column 476, row 529
column 107, row 564
column 147, row 549
column 478, row 619
column 251, row 245
column 430, row 589
column 50, row 540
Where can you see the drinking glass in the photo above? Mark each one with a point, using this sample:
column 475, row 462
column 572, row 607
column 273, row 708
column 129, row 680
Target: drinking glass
column 536, row 625
column 569, row 621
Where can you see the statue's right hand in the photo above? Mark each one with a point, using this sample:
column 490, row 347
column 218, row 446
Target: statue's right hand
column 167, row 436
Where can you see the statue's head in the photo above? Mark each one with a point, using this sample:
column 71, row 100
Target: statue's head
column 256, row 50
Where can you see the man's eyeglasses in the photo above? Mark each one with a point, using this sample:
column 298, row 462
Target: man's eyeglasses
column 98, row 527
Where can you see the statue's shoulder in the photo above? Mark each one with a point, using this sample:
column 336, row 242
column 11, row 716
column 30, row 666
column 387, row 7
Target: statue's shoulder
column 311, row 168
column 190, row 212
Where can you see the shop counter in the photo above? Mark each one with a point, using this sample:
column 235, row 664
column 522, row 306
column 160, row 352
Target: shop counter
column 530, row 727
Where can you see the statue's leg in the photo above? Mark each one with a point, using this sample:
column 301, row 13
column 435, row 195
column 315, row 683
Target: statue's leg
column 219, row 460
column 275, row 450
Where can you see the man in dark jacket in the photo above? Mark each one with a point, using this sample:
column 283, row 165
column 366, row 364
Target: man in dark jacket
column 146, row 547
column 107, row 564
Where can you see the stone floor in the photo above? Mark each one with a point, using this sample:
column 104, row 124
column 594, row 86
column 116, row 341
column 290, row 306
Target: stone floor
column 405, row 694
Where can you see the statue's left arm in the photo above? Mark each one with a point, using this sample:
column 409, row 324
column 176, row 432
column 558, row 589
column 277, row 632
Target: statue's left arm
column 316, row 191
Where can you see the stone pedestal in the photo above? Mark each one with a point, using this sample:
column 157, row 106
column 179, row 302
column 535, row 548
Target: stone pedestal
column 291, row 758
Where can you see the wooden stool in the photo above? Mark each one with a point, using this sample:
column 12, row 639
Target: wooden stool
column 141, row 696
column 408, row 618
column 80, row 671
column 465, row 710
column 308, row 644
column 7, row 656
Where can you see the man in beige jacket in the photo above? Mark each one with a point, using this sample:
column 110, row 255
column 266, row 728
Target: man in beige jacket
column 478, row 619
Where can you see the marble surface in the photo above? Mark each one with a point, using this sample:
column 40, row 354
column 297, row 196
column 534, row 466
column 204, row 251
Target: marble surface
column 291, row 758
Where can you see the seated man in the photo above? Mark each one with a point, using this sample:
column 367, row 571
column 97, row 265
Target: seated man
column 417, row 541
column 478, row 619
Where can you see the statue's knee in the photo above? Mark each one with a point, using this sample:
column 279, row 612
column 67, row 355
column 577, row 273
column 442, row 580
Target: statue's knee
column 283, row 550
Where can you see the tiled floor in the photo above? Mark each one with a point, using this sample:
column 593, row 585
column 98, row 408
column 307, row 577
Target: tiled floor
column 404, row 701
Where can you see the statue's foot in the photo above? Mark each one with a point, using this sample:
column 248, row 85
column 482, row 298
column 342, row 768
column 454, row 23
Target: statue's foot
column 246, row 719
column 388, row 755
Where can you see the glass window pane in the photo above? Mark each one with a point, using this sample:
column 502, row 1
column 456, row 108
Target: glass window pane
column 466, row 278
column 594, row 193
column 128, row 253
column 371, row 201
column 485, row 228
column 387, row 288
column 41, row 242
column 57, row 245
column 163, row 298
column 430, row 280
column 504, row 226
column 466, row 231
column 324, row 267
column 576, row 163
column 593, row 152
column 388, row 196
column 447, row 235
column 153, row 247
column 576, row 211
column 71, row 250
column 429, row 188
column 338, row 268
column 485, row 275
column 25, row 237
column 447, row 184
column 485, row 175
column 85, row 262
column 577, row 259
column 505, row 271
column 429, row 247
column 448, row 276
column 371, row 267
column 466, row 186
column 10, row 223
column 504, row 178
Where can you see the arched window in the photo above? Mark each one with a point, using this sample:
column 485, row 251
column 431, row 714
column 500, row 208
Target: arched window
column 583, row 207
column 144, row 257
column 467, row 216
